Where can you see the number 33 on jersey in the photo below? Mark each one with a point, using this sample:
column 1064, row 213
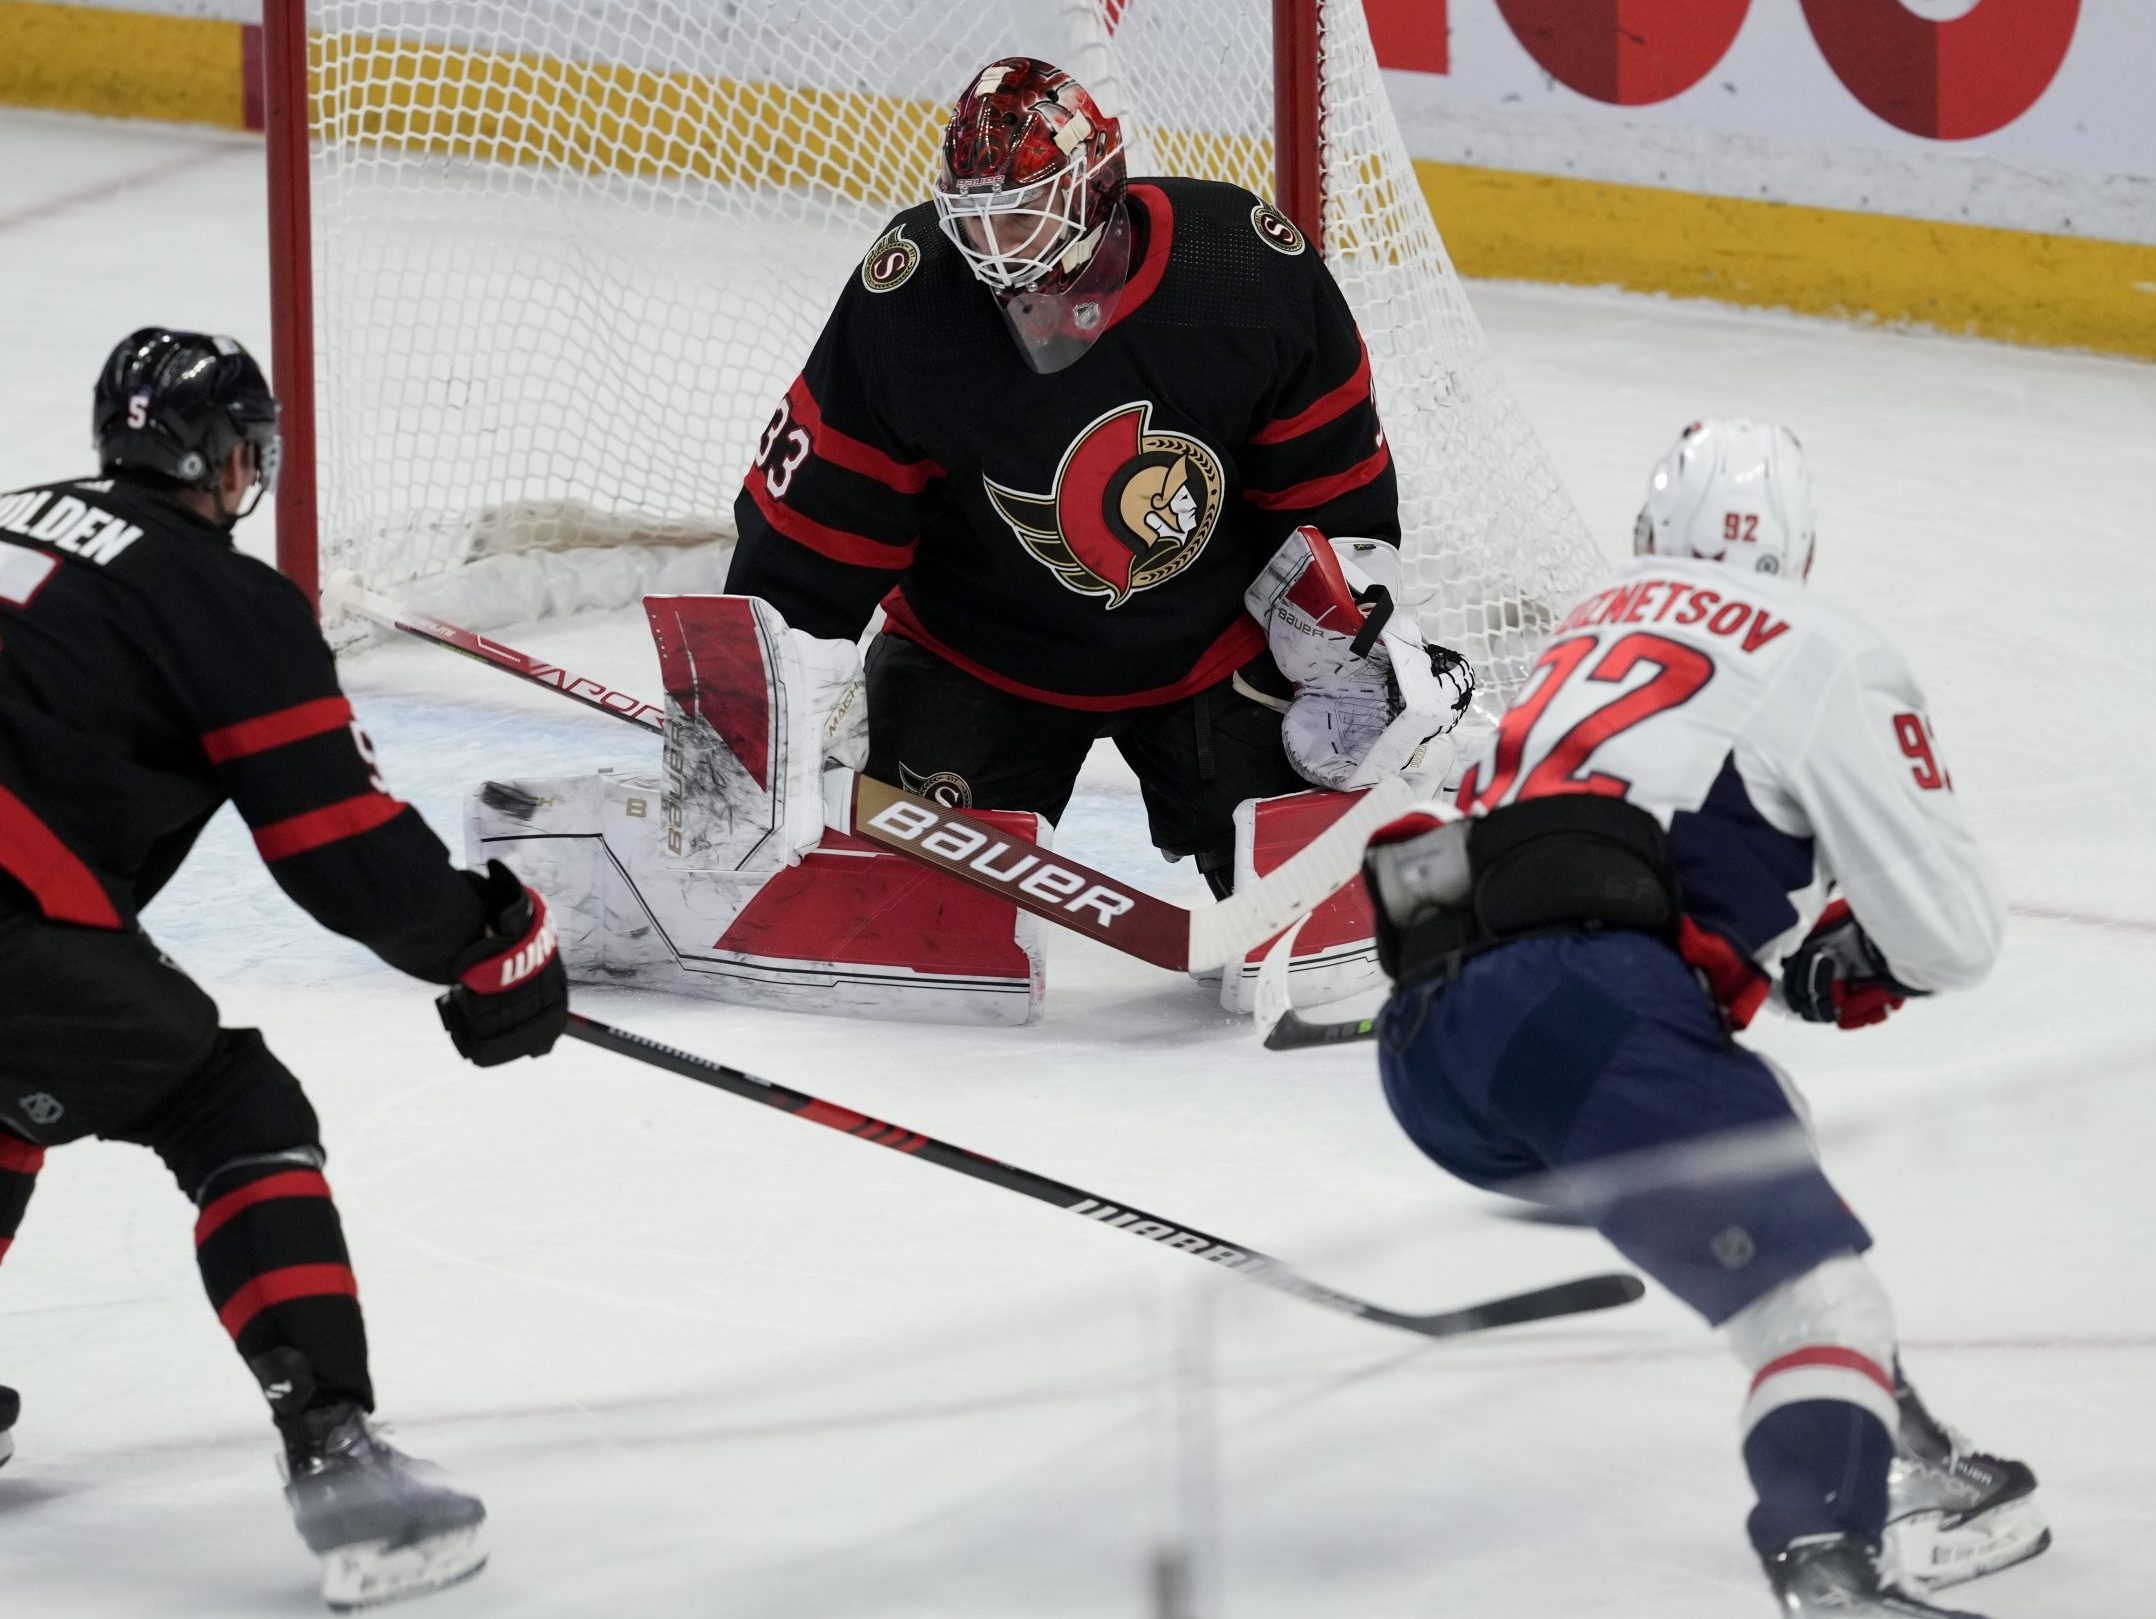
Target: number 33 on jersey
column 1784, row 745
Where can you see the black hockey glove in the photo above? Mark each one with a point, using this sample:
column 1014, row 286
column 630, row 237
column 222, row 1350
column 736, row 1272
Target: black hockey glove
column 1838, row 976
column 511, row 995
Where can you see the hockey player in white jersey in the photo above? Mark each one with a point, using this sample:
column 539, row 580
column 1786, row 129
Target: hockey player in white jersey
column 1716, row 792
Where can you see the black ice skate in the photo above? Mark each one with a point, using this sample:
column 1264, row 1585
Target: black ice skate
column 1953, row 1513
column 1837, row 1577
column 10, row 1409
column 383, row 1529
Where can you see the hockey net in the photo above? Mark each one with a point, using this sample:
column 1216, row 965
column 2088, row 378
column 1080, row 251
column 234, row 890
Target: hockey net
column 568, row 253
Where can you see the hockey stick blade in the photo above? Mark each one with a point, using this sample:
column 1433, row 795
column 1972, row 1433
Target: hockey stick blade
column 1291, row 1031
column 1540, row 1304
column 1152, row 929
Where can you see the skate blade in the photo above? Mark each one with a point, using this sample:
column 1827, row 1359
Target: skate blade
column 373, row 1572
column 1939, row 1556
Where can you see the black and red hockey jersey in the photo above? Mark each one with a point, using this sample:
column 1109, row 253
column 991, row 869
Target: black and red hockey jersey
column 1083, row 538
column 149, row 672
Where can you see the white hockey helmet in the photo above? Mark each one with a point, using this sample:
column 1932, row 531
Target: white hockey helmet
column 1731, row 491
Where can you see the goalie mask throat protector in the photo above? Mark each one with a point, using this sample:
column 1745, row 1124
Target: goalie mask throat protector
column 1028, row 178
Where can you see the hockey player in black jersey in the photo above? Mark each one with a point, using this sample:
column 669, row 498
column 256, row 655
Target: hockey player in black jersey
column 1057, row 426
column 149, row 673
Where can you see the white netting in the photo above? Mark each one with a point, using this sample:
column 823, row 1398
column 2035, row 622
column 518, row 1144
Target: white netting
column 569, row 252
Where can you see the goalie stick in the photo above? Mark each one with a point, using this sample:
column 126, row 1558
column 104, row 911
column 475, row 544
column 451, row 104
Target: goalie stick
column 1052, row 886
column 1575, row 1297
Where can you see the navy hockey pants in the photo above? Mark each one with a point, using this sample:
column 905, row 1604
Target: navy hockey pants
column 1560, row 1051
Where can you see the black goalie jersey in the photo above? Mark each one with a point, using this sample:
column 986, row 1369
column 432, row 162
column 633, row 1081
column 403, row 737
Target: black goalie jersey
column 1082, row 538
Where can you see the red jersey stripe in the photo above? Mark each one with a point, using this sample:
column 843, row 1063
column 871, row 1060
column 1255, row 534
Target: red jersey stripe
column 1326, row 407
column 5, row 1244
column 843, row 450
column 1236, row 646
column 1847, row 1360
column 20, row 1157
column 290, row 1183
column 840, row 545
column 282, row 1287
column 1316, row 492
column 347, row 818
column 274, row 730
column 65, row 889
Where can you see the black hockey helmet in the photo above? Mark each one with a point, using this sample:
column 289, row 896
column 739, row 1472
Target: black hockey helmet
column 175, row 403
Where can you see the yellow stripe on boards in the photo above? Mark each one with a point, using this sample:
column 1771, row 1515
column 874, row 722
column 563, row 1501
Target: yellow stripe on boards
column 2013, row 286
column 121, row 64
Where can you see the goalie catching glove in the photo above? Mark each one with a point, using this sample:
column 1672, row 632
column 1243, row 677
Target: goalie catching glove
column 1369, row 692
column 511, row 995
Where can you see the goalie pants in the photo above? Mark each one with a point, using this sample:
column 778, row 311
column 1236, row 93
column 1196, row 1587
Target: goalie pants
column 100, row 1035
column 938, row 731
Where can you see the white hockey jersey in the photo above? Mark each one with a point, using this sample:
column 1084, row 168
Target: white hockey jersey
column 1786, row 748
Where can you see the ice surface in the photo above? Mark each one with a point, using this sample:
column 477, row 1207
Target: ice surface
column 701, row 1359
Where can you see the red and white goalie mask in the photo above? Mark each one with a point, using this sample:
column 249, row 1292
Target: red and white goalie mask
column 1029, row 188
column 1735, row 492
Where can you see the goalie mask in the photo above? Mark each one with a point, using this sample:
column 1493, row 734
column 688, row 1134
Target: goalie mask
column 1029, row 188
column 1731, row 491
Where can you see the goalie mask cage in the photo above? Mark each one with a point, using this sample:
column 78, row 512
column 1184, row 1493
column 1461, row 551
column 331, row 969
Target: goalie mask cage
column 541, row 270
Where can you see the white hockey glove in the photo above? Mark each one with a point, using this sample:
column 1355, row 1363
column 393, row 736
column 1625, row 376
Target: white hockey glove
column 1370, row 693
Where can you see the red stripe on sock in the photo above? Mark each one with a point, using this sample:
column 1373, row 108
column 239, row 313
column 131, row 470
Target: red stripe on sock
column 19, row 1156
column 290, row 1183
column 281, row 1287
column 5, row 1244
column 1826, row 1355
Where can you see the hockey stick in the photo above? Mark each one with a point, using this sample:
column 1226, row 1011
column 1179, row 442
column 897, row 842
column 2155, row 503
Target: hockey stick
column 1281, row 1027
column 1052, row 886
column 1575, row 1297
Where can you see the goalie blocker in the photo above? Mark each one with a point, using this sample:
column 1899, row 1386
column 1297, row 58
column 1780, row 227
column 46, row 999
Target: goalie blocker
column 732, row 873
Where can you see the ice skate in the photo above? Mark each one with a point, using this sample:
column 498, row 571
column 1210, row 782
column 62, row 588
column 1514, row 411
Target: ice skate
column 1953, row 1513
column 1837, row 1577
column 383, row 1528
column 10, row 1409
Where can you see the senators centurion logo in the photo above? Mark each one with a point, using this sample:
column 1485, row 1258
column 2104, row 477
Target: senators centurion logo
column 1130, row 509
column 891, row 262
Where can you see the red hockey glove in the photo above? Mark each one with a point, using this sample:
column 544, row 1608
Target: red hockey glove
column 1838, row 976
column 511, row 997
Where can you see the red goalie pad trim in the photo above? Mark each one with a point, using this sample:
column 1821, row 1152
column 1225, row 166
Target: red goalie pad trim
column 712, row 662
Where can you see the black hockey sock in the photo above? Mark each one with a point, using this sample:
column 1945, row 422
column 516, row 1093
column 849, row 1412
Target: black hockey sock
column 274, row 1262
column 19, row 1164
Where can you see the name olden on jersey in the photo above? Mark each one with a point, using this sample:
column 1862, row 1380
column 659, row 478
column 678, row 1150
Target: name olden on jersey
column 1650, row 601
column 72, row 525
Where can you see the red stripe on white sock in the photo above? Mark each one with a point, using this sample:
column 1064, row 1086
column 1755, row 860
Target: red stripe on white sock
column 1826, row 1355
column 1822, row 1372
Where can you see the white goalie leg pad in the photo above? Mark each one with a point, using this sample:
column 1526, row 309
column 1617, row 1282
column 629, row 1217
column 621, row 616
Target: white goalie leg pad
column 1825, row 1335
column 1334, row 955
column 755, row 711
column 849, row 929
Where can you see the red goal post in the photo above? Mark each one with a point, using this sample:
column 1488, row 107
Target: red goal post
column 539, row 269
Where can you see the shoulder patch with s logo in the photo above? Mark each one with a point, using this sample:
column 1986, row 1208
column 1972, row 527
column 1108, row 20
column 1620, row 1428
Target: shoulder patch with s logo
column 891, row 262
column 1276, row 230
